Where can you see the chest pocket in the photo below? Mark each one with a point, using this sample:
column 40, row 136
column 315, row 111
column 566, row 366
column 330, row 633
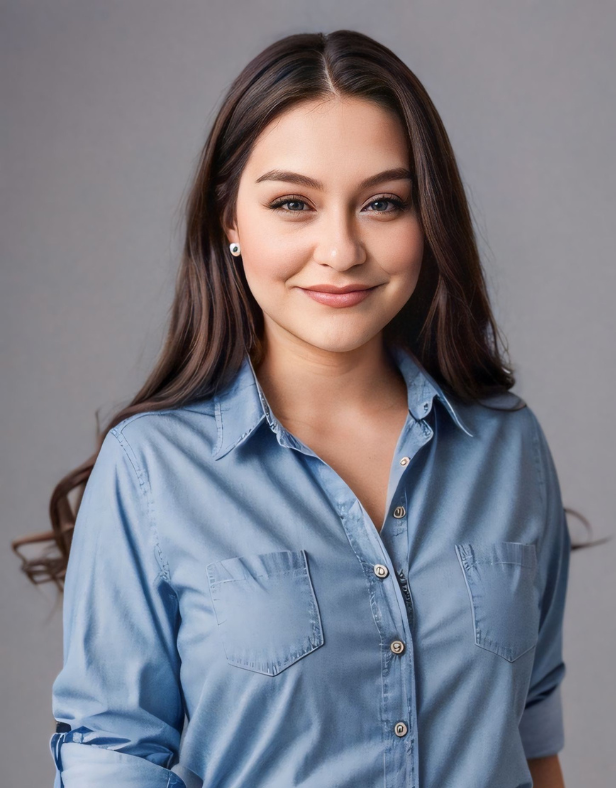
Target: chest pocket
column 266, row 609
column 505, row 601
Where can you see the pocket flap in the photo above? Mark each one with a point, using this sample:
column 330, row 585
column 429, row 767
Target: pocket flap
column 498, row 553
column 255, row 565
column 266, row 608
column 501, row 582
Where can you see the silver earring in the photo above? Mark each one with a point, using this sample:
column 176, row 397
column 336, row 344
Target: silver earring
column 235, row 249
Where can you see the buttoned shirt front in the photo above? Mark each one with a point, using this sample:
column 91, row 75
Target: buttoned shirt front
column 233, row 617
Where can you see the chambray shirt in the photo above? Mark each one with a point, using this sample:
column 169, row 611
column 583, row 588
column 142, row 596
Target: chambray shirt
column 233, row 616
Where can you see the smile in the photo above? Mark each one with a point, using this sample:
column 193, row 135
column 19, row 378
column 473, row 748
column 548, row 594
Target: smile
column 349, row 298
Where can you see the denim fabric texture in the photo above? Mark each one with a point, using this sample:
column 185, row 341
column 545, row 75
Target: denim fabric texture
column 233, row 618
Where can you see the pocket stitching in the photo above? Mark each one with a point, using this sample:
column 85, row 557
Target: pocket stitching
column 315, row 640
column 299, row 570
column 529, row 549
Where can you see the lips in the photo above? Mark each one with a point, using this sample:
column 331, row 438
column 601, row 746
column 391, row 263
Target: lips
column 346, row 296
column 334, row 289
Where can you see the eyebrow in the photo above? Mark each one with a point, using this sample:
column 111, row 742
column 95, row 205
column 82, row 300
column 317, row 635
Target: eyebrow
column 395, row 174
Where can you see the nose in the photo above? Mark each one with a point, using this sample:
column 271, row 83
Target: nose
column 339, row 245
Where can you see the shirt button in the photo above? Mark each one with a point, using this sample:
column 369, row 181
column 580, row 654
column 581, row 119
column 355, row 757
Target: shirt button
column 380, row 570
column 400, row 729
column 397, row 646
column 405, row 461
column 399, row 512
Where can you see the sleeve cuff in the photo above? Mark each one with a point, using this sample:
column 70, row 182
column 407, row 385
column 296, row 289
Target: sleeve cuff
column 541, row 727
column 89, row 766
column 191, row 780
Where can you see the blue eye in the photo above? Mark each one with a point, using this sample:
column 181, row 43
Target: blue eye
column 396, row 202
column 277, row 205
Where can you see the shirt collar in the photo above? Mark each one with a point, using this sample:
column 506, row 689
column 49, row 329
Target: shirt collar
column 242, row 406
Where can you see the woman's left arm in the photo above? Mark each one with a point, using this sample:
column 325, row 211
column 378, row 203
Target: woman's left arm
column 541, row 725
column 546, row 772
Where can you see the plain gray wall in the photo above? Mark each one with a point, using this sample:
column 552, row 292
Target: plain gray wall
column 105, row 108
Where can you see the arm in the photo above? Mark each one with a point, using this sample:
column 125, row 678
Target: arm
column 541, row 726
column 119, row 688
column 546, row 772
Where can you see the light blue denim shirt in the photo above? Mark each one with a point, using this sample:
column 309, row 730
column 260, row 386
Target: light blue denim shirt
column 232, row 614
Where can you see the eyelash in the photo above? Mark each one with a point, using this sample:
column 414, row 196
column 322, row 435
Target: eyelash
column 399, row 204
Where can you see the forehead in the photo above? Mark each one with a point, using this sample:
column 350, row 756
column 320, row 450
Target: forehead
column 333, row 135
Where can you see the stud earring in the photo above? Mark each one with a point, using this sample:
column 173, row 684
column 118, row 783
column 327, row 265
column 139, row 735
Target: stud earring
column 235, row 249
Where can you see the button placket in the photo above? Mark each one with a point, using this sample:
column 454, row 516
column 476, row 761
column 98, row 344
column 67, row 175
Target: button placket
column 399, row 702
column 401, row 676
column 401, row 679
column 389, row 548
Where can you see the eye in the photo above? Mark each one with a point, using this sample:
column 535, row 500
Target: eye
column 291, row 200
column 399, row 205
column 296, row 204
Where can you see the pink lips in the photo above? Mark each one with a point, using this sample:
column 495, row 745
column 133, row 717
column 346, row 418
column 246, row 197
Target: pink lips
column 339, row 297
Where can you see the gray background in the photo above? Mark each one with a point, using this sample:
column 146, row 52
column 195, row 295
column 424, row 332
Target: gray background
column 105, row 108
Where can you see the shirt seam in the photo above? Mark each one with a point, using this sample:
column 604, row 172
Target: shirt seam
column 146, row 490
column 541, row 477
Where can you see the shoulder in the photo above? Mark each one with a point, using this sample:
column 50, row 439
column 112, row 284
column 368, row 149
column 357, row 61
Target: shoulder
column 507, row 425
column 153, row 422
column 502, row 415
column 155, row 433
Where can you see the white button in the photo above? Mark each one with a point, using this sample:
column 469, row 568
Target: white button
column 399, row 512
column 405, row 461
column 400, row 729
column 380, row 570
column 397, row 646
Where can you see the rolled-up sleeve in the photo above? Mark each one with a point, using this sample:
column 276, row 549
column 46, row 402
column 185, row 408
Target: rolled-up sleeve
column 117, row 698
column 542, row 726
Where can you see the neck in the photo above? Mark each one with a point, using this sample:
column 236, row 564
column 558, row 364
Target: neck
column 306, row 384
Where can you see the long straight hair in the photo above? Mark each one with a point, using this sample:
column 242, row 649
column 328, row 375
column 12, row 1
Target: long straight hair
column 214, row 319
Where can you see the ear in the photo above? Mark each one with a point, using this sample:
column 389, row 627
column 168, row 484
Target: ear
column 232, row 234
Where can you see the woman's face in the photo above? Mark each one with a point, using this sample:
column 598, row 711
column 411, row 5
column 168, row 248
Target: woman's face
column 312, row 212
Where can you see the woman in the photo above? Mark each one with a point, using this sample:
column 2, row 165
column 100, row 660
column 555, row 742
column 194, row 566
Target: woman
column 325, row 531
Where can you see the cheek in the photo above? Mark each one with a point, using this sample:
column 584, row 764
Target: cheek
column 267, row 269
column 269, row 257
column 267, row 260
column 402, row 254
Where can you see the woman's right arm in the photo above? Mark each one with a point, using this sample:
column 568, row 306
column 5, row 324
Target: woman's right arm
column 119, row 688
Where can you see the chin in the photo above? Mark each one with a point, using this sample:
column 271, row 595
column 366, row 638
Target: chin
column 337, row 344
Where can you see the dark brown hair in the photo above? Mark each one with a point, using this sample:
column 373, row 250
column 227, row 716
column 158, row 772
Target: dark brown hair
column 447, row 323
